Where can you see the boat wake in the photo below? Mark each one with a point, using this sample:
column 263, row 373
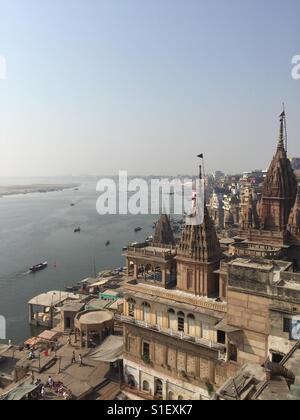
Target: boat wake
column 26, row 273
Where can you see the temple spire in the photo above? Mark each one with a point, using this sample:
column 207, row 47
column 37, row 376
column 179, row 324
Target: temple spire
column 281, row 131
column 280, row 187
column 282, row 143
column 163, row 233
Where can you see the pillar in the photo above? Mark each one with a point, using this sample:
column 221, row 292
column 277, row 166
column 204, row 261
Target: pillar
column 86, row 338
column 135, row 273
column 81, row 341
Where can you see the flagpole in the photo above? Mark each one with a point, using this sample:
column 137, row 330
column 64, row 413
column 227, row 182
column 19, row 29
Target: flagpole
column 201, row 156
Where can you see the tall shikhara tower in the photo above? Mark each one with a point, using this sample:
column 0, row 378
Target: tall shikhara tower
column 279, row 190
column 198, row 257
column 278, row 198
column 163, row 232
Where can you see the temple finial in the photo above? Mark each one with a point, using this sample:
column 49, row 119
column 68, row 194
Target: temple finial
column 282, row 130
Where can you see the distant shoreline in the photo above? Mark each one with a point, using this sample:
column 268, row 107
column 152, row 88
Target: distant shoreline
column 9, row 190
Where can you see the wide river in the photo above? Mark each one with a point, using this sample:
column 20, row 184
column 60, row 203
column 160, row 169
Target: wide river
column 40, row 227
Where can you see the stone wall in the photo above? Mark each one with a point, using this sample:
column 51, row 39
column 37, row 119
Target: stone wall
column 178, row 359
column 251, row 315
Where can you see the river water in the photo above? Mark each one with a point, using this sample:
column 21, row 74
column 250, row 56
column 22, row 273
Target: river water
column 40, row 227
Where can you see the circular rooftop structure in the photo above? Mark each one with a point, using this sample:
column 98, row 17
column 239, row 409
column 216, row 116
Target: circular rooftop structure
column 94, row 317
column 93, row 326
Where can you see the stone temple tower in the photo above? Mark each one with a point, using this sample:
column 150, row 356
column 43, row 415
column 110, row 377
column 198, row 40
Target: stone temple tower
column 163, row 232
column 198, row 257
column 279, row 190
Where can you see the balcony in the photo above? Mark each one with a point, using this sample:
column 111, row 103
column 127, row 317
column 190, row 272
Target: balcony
column 202, row 342
column 166, row 253
column 140, row 394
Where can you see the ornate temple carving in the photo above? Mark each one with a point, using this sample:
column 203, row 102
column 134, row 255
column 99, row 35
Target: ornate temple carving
column 198, row 257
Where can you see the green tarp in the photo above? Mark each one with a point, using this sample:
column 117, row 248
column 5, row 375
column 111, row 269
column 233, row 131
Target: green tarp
column 19, row 392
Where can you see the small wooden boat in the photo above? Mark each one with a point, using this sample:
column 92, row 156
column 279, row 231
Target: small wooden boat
column 77, row 230
column 137, row 229
column 38, row 267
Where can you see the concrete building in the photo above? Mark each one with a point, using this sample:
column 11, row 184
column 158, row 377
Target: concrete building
column 44, row 308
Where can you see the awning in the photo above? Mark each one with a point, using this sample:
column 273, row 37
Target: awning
column 99, row 283
column 49, row 335
column 223, row 326
column 32, row 341
column 109, row 351
column 18, row 393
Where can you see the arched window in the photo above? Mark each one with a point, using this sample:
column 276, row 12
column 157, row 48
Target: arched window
column 158, row 388
column 146, row 386
column 180, row 397
column 191, row 325
column 131, row 307
column 171, row 319
column 180, row 321
column 146, row 311
column 131, row 381
column 171, row 396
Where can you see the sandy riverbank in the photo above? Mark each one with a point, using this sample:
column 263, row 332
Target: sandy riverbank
column 35, row 188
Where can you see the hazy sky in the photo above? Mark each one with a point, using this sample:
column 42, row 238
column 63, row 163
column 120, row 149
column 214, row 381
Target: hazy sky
column 94, row 86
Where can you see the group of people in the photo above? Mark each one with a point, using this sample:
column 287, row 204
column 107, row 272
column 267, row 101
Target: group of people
column 58, row 387
column 74, row 360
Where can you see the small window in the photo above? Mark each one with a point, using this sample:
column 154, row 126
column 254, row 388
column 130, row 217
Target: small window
column 146, row 386
column 191, row 324
column 171, row 319
column 146, row 311
column 131, row 307
column 131, row 381
column 232, row 350
column 146, row 350
column 221, row 337
column 180, row 318
column 171, row 396
column 287, row 325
